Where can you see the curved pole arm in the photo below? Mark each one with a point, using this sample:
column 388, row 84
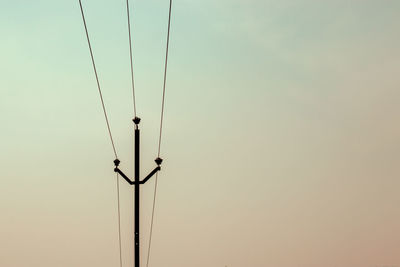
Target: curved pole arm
column 156, row 169
column 150, row 174
column 124, row 176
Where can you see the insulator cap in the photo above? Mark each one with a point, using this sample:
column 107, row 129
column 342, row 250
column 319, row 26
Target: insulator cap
column 116, row 162
column 136, row 120
column 158, row 161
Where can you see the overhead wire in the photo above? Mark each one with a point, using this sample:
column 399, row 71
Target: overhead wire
column 131, row 57
column 152, row 219
column 119, row 223
column 165, row 79
column 108, row 128
column 97, row 80
column 160, row 135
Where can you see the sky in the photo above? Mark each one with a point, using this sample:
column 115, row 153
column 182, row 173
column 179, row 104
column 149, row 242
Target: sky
column 280, row 141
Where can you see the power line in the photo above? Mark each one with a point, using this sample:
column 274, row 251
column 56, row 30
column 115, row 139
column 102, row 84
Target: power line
column 131, row 58
column 97, row 80
column 108, row 127
column 152, row 219
column 119, row 223
column 161, row 125
column 165, row 79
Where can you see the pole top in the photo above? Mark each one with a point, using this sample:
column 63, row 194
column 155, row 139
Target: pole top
column 136, row 120
column 116, row 162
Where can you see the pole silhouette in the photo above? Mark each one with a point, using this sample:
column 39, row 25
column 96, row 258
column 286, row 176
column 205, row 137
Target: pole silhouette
column 136, row 182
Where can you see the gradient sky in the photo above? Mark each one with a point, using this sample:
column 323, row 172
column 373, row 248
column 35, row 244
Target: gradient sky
column 281, row 139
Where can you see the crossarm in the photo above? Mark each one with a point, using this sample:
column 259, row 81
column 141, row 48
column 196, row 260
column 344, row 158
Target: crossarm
column 150, row 174
column 123, row 176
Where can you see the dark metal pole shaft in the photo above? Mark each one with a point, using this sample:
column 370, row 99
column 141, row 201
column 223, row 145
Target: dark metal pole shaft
column 137, row 180
column 137, row 183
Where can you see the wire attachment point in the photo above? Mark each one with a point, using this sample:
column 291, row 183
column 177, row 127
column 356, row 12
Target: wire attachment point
column 117, row 162
column 136, row 120
column 158, row 161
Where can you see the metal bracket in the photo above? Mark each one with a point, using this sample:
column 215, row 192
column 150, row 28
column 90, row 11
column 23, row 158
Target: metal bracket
column 158, row 168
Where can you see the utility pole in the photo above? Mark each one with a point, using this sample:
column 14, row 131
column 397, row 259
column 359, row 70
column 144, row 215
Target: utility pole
column 137, row 184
